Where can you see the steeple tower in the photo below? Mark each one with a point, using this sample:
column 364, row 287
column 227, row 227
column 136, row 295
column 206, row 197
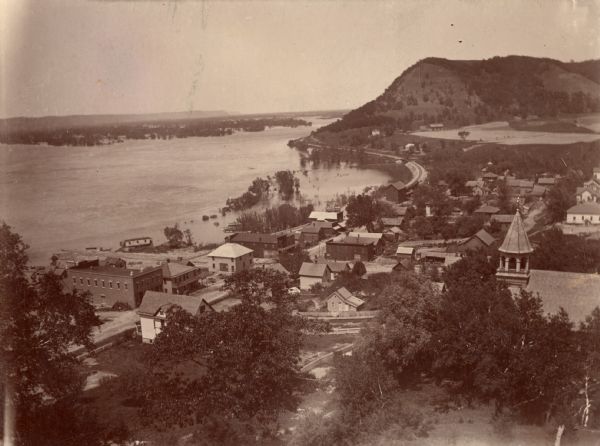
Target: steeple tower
column 514, row 255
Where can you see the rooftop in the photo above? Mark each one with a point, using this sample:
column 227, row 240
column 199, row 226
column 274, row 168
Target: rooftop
column 172, row 269
column 406, row 250
column 516, row 240
column 154, row 301
column 589, row 208
column 347, row 297
column 230, row 250
column 391, row 221
column 577, row 293
column 546, row 181
column 369, row 235
column 338, row 267
column 323, row 215
column 486, row 209
column 485, row 237
column 112, row 270
column 313, row 269
column 502, row 218
column 253, row 237
column 398, row 185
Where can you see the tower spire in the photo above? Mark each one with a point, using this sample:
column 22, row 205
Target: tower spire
column 514, row 254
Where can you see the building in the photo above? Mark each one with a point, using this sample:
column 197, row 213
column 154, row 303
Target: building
column 313, row 273
column 405, row 252
column 476, row 187
column 546, row 181
column 436, row 127
column 277, row 267
column 311, row 235
column 486, row 211
column 481, row 240
column 138, row 242
column 577, row 293
column 338, row 268
column 489, row 177
column 326, row 216
column 263, row 245
column 391, row 222
column 352, row 248
column 395, row 192
column 109, row 285
column 587, row 194
column 584, row 214
column 155, row 306
column 503, row 220
column 343, row 300
column 519, row 187
column 180, row 278
column 514, row 255
column 538, row 191
column 230, row 258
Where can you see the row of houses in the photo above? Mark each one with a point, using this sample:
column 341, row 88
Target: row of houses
column 587, row 209
column 517, row 187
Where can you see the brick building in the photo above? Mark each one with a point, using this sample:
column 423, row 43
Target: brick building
column 263, row 245
column 109, row 285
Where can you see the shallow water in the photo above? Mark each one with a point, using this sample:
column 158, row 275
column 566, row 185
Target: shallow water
column 75, row 197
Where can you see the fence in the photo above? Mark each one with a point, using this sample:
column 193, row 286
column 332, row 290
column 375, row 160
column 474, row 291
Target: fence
column 339, row 314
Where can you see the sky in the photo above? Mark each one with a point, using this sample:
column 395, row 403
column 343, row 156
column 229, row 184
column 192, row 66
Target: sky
column 60, row 57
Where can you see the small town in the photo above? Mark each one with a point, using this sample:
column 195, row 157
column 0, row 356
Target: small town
column 414, row 259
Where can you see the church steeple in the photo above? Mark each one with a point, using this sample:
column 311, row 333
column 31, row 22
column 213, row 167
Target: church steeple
column 514, row 255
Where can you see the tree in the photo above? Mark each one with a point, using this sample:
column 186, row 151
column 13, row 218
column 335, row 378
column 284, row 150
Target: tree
column 188, row 237
column 558, row 201
column 38, row 325
column 359, row 269
column 464, row 134
column 363, row 210
column 174, row 236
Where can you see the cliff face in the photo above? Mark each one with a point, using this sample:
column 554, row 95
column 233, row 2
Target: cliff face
column 466, row 92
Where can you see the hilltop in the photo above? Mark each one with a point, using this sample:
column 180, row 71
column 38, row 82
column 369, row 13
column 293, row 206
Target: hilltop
column 462, row 92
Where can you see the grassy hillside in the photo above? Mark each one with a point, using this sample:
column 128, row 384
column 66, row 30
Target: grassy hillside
column 461, row 92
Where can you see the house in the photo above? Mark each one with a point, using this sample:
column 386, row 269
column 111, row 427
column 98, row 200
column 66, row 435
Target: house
column 395, row 192
column 546, row 181
column 313, row 273
column 180, row 278
column 481, row 240
column 518, row 187
column 138, row 242
column 503, row 220
column 277, row 267
column 476, row 187
column 338, row 268
column 230, row 258
column 352, row 248
column 312, row 234
column 391, row 222
column 587, row 213
column 486, row 211
column 405, row 252
column 436, row 127
column 375, row 132
column 109, row 285
column 326, row 216
column 489, row 177
column 343, row 300
column 403, row 265
column 155, row 306
column 538, row 191
column 596, row 174
column 587, row 194
column 400, row 211
column 263, row 245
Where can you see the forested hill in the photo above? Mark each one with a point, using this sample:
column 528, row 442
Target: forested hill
column 461, row 92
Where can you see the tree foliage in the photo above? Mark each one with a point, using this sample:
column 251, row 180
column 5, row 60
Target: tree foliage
column 363, row 210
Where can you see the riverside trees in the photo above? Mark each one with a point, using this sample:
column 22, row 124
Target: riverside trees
column 40, row 381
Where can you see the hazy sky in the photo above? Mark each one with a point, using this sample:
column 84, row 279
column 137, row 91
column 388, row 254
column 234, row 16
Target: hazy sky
column 72, row 57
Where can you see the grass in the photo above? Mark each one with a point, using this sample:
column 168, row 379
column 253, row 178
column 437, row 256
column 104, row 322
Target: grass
column 326, row 342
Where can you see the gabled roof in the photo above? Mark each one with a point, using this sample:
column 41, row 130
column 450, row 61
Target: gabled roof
column 538, row 190
column 516, row 240
column 338, row 267
column 403, row 265
column 398, row 185
column 309, row 269
column 323, row 215
column 485, row 237
column 486, row 209
column 154, row 301
column 349, row 240
column 274, row 267
column 577, row 293
column 347, row 297
column 230, row 250
column 401, row 210
column 391, row 221
column 516, row 182
column 589, row 208
column 370, row 235
column 405, row 250
column 172, row 269
column 547, row 181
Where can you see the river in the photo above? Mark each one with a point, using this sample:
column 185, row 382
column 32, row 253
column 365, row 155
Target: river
column 75, row 197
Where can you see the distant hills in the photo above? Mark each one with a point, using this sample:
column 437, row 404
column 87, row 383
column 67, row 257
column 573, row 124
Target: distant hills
column 462, row 92
column 46, row 123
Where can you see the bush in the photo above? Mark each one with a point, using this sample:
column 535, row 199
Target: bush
column 121, row 306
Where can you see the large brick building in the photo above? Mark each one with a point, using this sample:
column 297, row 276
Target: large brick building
column 263, row 245
column 352, row 248
column 109, row 285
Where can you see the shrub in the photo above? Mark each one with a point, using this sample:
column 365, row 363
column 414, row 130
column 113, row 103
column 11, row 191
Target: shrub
column 121, row 306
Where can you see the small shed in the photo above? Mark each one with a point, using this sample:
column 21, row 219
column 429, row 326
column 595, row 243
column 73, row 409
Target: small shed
column 343, row 300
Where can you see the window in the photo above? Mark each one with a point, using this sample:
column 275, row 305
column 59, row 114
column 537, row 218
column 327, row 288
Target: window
column 119, row 285
column 223, row 267
column 81, row 280
column 213, row 268
column 125, row 286
column 110, row 283
column 89, row 282
column 95, row 282
column 74, row 281
column 103, row 284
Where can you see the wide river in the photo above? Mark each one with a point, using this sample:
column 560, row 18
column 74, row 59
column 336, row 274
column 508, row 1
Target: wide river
column 76, row 197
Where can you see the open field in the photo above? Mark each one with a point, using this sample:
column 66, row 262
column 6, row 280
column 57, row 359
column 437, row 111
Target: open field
column 500, row 132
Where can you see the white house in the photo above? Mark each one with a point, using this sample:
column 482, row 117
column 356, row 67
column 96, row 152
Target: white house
column 155, row 305
column 584, row 214
column 343, row 300
column 230, row 258
column 312, row 273
column 405, row 252
column 585, row 194
column 333, row 216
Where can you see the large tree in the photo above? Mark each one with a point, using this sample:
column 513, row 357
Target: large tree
column 363, row 210
column 40, row 382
